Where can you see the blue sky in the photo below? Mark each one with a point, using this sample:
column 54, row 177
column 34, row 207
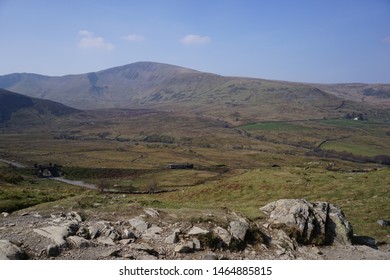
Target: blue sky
column 303, row 40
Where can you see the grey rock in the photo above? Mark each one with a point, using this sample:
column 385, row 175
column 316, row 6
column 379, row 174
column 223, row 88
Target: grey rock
column 339, row 230
column 152, row 212
column 9, row 251
column 139, row 224
column 197, row 245
column 55, row 233
column 75, row 216
column 294, row 212
column 153, row 232
column 94, row 232
column 238, row 229
column 78, row 242
column 282, row 240
column 172, row 239
column 310, row 223
column 83, row 232
column 113, row 234
column 109, row 231
column 128, row 234
column 223, row 234
column 197, row 231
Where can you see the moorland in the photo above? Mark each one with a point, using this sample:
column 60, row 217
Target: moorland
column 250, row 141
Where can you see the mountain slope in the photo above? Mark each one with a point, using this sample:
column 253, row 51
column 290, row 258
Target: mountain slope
column 168, row 87
column 375, row 94
column 123, row 86
column 16, row 107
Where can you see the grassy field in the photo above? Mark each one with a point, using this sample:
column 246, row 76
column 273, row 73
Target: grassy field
column 232, row 166
column 25, row 193
column 361, row 138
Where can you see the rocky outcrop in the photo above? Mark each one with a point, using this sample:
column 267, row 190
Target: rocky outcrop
column 154, row 234
column 319, row 223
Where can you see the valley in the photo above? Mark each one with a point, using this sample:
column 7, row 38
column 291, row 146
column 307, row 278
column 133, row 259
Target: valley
column 250, row 142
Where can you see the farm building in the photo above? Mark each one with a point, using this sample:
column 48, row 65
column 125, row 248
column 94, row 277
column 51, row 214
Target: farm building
column 181, row 166
column 45, row 171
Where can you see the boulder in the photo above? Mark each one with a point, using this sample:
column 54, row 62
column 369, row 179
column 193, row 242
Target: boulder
column 110, row 232
column 197, row 245
column 55, row 233
column 172, row 239
column 197, row 231
column 128, row 234
column 75, row 216
column 309, row 223
column 238, row 229
column 338, row 228
column 94, row 232
column 9, row 251
column 78, row 242
column 153, row 232
column 223, row 234
column 139, row 224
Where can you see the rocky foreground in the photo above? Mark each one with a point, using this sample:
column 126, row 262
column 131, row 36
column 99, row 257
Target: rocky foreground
column 293, row 229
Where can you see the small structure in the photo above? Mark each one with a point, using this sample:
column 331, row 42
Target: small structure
column 46, row 171
column 181, row 166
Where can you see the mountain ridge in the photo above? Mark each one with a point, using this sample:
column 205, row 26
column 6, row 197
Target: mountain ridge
column 170, row 87
column 27, row 109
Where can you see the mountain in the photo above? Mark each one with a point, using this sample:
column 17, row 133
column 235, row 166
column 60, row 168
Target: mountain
column 169, row 87
column 123, row 86
column 16, row 107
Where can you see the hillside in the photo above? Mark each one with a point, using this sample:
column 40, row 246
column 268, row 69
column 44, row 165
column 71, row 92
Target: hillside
column 18, row 108
column 375, row 94
column 172, row 88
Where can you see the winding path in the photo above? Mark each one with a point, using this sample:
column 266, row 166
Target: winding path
column 66, row 181
column 13, row 163
column 75, row 183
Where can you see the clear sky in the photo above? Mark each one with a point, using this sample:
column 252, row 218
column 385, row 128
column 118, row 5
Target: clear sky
column 325, row 41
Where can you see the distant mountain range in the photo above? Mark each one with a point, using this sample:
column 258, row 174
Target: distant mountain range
column 169, row 87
